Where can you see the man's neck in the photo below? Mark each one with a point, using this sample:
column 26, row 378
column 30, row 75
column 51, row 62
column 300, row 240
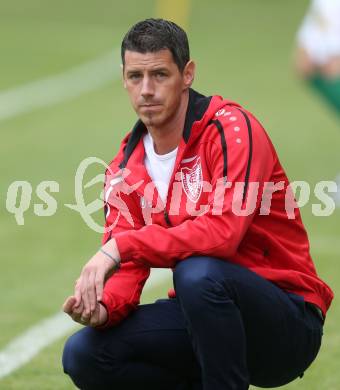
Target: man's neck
column 168, row 137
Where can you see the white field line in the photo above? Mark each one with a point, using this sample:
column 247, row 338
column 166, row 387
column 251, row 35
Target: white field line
column 58, row 88
column 24, row 347
column 19, row 100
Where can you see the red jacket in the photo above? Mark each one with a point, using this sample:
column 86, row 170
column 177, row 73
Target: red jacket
column 218, row 205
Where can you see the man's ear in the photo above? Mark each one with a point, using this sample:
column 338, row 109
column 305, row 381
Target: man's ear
column 189, row 74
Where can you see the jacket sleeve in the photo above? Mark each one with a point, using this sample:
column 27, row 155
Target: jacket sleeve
column 219, row 233
column 123, row 289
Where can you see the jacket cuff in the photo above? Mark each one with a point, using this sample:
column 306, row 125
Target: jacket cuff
column 124, row 246
column 111, row 316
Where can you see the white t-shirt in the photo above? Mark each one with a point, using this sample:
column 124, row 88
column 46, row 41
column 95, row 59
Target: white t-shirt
column 159, row 166
column 319, row 33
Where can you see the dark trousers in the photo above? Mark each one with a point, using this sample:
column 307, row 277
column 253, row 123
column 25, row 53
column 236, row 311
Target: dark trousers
column 227, row 328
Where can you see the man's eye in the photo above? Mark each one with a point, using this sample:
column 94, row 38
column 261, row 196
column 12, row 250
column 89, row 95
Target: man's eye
column 134, row 76
column 161, row 74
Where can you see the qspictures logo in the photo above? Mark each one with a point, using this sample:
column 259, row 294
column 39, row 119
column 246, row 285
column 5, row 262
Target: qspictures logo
column 113, row 198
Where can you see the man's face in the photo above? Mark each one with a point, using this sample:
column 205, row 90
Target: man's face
column 155, row 85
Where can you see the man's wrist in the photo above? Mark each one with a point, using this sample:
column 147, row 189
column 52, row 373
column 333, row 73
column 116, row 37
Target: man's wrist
column 115, row 260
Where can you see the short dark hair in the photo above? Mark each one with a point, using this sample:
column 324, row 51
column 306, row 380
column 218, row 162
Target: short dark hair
column 152, row 35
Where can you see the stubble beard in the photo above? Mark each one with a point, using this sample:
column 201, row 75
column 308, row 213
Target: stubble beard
column 150, row 120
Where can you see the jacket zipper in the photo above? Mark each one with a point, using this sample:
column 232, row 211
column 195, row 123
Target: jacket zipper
column 165, row 212
column 166, row 217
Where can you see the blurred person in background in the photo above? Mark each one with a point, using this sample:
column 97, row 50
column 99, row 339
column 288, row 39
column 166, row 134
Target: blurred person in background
column 318, row 51
column 247, row 304
column 317, row 57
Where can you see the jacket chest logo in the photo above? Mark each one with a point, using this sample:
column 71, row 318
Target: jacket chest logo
column 191, row 177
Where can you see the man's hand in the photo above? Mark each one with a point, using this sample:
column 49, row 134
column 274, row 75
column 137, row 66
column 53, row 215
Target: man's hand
column 89, row 286
column 98, row 317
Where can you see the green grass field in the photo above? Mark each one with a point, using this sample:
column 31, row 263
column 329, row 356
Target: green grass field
column 243, row 51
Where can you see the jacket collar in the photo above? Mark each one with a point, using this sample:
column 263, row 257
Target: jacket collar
column 197, row 106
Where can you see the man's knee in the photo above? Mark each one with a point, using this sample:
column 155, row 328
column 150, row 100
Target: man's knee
column 190, row 273
column 76, row 357
column 93, row 358
column 80, row 357
column 199, row 279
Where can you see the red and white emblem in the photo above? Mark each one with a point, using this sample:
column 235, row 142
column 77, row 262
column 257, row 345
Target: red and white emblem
column 192, row 178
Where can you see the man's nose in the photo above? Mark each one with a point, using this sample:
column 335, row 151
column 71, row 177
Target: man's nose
column 147, row 87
